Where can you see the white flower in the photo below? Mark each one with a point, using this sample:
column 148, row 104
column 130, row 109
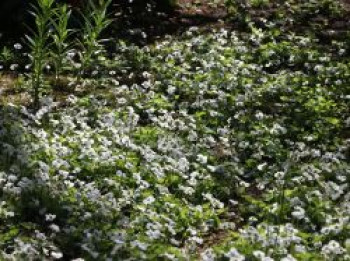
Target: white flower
column 50, row 217
column 140, row 245
column 332, row 248
column 279, row 175
column 187, row 190
column 70, row 55
column 13, row 67
column 202, row 159
column 54, row 228
column 262, row 166
column 259, row 115
column 154, row 234
column 300, row 249
column 56, row 255
column 17, row 46
column 288, row 258
column 149, row 200
column 175, row 242
column 259, row 254
column 341, row 51
column 234, row 255
column 197, row 240
column 171, row 90
column 208, row 255
column 298, row 213
column 144, row 35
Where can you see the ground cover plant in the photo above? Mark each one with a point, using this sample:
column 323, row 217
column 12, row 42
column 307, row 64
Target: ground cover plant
column 223, row 142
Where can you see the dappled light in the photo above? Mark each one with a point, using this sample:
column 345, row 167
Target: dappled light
column 175, row 130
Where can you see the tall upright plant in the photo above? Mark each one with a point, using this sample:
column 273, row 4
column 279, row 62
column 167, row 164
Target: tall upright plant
column 38, row 43
column 95, row 21
column 60, row 35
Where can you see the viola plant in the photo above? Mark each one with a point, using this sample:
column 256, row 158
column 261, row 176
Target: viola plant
column 221, row 145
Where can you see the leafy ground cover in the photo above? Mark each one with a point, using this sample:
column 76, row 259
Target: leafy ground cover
column 215, row 144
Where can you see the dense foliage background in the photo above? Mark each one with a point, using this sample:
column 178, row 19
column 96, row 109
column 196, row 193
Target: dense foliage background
column 207, row 131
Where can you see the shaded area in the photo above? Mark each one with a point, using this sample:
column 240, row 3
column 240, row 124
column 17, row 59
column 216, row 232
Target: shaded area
column 142, row 22
column 147, row 25
column 137, row 21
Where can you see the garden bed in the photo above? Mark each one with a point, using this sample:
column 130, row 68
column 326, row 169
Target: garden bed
column 226, row 140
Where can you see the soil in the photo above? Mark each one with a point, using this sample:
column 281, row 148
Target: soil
column 206, row 15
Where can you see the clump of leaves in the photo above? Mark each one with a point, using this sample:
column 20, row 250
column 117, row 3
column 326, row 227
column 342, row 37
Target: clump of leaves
column 95, row 21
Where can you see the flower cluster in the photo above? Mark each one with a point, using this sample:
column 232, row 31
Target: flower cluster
column 222, row 151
